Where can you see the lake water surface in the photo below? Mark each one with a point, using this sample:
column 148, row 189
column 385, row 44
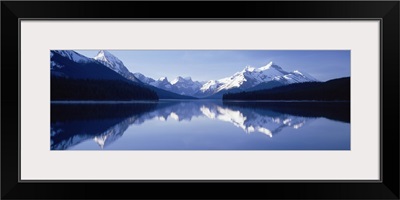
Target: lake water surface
column 200, row 125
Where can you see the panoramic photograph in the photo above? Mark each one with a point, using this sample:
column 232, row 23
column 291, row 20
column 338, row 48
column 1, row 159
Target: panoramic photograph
column 200, row 100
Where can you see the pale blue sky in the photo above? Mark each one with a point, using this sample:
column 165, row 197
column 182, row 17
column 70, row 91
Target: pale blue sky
column 204, row 65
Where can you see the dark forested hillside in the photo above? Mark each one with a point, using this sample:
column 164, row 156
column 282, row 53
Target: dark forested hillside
column 91, row 69
column 86, row 89
column 333, row 90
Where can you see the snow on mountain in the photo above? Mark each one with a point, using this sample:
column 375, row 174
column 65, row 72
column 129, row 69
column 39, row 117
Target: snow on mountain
column 210, row 86
column 72, row 55
column 180, row 85
column 180, row 79
column 111, row 61
column 144, row 79
column 163, row 79
column 115, row 64
column 250, row 77
column 163, row 83
column 185, row 86
column 68, row 63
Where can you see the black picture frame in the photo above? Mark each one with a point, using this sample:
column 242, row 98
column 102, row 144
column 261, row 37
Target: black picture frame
column 386, row 11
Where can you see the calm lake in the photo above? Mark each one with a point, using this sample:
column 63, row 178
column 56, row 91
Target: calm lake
column 200, row 125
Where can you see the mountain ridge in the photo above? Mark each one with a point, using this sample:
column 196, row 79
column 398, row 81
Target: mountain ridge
column 332, row 90
column 115, row 64
column 68, row 67
column 249, row 79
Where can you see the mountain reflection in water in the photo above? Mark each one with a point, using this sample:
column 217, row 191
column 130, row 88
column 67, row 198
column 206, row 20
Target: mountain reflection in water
column 104, row 124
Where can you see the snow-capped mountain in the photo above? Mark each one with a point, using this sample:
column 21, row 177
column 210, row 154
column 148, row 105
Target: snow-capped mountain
column 163, row 83
column 185, row 86
column 251, row 77
column 182, row 86
column 115, row 64
column 68, row 63
column 72, row 55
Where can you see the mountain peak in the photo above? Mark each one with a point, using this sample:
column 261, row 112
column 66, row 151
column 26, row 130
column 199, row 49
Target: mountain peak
column 249, row 68
column 181, row 79
column 163, row 78
column 269, row 65
column 112, row 62
column 115, row 64
column 105, row 56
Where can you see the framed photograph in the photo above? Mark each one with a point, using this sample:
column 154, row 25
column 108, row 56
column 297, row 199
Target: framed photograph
column 289, row 96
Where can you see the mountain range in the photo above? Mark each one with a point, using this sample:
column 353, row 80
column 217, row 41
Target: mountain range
column 249, row 79
column 68, row 68
column 106, row 66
